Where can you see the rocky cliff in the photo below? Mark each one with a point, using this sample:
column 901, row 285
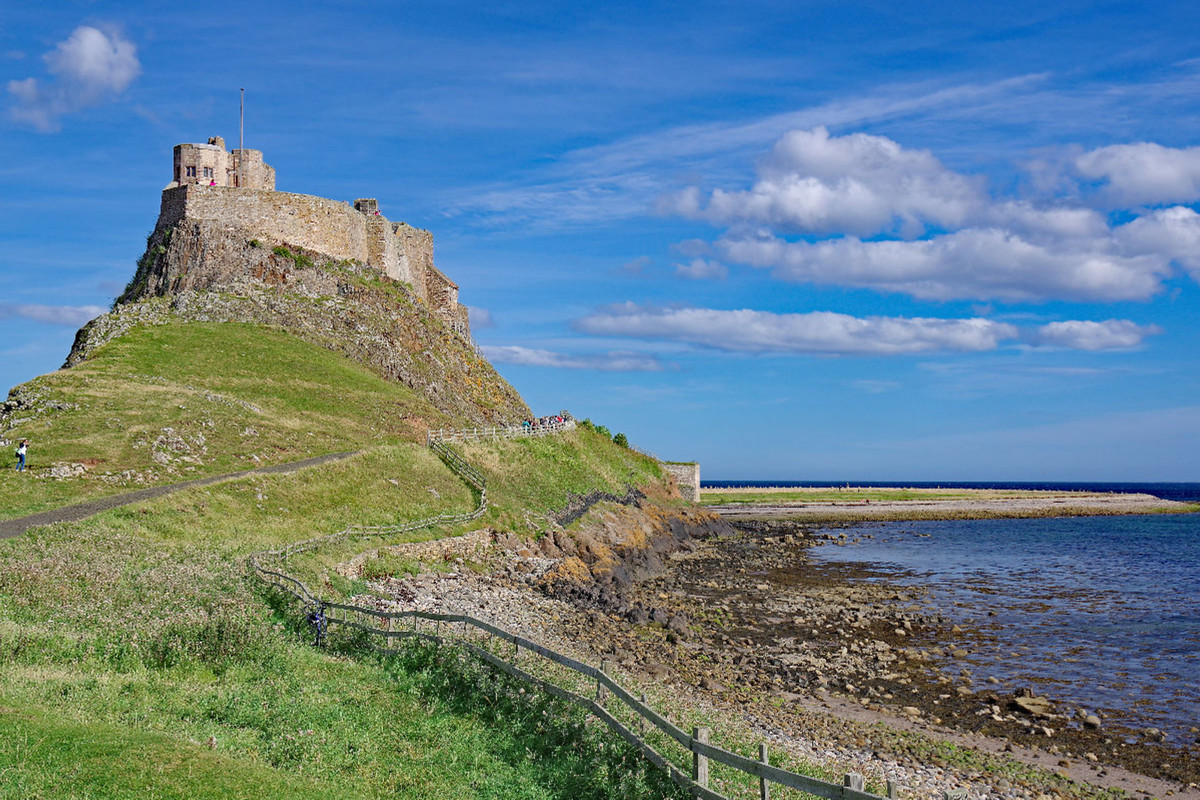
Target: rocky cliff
column 199, row 270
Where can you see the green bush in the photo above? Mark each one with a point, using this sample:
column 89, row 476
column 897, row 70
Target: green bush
column 621, row 440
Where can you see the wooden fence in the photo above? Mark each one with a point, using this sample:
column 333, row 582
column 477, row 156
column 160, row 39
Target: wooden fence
column 499, row 432
column 385, row 627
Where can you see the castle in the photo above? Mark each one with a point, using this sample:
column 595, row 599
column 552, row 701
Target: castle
column 237, row 191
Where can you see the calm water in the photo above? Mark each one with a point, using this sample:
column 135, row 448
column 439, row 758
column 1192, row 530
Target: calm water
column 1103, row 612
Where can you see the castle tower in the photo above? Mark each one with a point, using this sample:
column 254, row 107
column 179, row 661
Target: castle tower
column 211, row 165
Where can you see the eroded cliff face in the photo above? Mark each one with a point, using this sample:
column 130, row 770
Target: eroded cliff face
column 618, row 546
column 211, row 272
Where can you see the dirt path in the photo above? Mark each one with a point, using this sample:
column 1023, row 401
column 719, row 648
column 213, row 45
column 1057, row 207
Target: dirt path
column 15, row 527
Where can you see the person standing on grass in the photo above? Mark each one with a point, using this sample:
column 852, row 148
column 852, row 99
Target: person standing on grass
column 22, row 448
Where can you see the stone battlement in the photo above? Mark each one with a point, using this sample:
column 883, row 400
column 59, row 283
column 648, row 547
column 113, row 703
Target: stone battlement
column 238, row 191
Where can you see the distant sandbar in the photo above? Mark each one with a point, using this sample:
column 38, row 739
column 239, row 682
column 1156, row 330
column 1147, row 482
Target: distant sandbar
column 849, row 504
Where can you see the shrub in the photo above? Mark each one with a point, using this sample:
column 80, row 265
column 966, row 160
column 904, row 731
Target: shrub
column 621, row 440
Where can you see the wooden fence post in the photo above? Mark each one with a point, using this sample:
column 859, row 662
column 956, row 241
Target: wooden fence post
column 852, row 781
column 601, row 689
column 764, row 786
column 641, row 719
column 699, row 762
column 893, row 789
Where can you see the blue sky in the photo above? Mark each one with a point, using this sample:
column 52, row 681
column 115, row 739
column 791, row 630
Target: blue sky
column 829, row 241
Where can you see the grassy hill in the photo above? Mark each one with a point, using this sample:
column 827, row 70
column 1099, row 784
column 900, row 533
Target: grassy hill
column 166, row 403
column 138, row 660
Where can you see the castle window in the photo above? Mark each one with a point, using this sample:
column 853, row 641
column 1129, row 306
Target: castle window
column 191, row 172
column 208, row 173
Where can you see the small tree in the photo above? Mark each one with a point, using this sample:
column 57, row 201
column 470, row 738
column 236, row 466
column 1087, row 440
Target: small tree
column 621, row 440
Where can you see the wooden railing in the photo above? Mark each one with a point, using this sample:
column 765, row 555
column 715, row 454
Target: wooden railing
column 385, row 627
column 500, row 432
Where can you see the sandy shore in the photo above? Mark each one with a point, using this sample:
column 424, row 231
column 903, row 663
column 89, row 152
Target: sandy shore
column 926, row 503
column 838, row 671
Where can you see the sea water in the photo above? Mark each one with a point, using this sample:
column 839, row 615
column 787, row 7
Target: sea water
column 1100, row 612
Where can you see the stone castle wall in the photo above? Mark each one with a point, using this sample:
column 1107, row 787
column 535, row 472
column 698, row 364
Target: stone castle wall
column 236, row 191
column 688, row 478
column 326, row 226
column 337, row 229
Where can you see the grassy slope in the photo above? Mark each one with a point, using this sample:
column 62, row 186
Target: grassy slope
column 233, row 397
column 137, row 632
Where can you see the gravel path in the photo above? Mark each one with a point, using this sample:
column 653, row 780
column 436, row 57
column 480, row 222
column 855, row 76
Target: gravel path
column 15, row 527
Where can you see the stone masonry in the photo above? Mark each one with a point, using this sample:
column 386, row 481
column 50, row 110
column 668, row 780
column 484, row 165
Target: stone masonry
column 210, row 165
column 237, row 191
column 687, row 475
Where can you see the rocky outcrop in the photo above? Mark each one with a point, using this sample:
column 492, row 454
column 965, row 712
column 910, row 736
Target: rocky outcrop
column 618, row 546
column 203, row 272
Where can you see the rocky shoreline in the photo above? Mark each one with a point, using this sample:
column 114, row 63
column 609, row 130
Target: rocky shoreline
column 840, row 670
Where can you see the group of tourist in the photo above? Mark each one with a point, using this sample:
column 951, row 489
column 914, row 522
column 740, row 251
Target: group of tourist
column 543, row 422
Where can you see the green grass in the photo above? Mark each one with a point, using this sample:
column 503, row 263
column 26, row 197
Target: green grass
column 47, row 756
column 172, row 402
column 121, row 625
column 576, row 462
column 131, row 640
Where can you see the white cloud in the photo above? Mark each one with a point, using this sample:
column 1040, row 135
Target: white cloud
column 90, row 67
column 635, row 267
column 1143, row 173
column 838, row 190
column 700, row 269
column 974, row 263
column 70, row 316
column 1167, row 233
column 818, row 332
column 828, row 333
column 876, row 387
column 481, row 318
column 856, row 184
column 615, row 361
column 1111, row 334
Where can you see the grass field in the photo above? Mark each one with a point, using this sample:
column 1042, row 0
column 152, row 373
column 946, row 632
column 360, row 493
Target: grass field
column 137, row 660
column 171, row 402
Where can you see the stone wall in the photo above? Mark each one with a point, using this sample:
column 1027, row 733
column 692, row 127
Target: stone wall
column 688, row 478
column 414, row 256
column 326, row 226
column 329, row 227
column 205, row 164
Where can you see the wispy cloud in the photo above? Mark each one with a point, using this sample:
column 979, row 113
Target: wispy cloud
column 702, row 269
column 827, row 333
column 626, row 178
column 90, row 67
column 481, row 318
column 876, row 386
column 614, row 361
column 1111, row 334
column 70, row 316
